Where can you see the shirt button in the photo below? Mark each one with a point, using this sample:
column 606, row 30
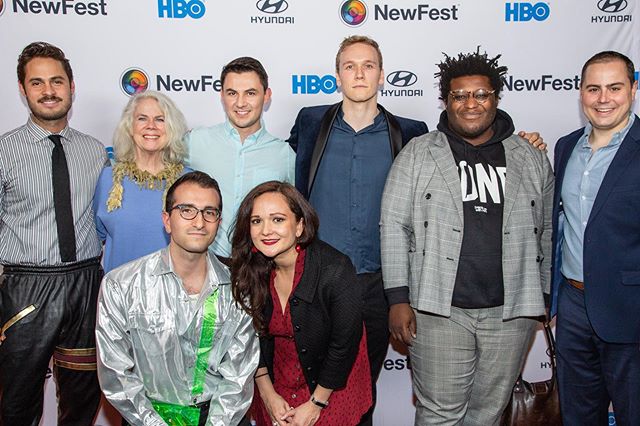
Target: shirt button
column 586, row 173
column 583, row 197
column 294, row 396
column 584, row 223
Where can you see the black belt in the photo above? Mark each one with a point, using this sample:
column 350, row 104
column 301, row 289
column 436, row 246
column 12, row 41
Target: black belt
column 59, row 269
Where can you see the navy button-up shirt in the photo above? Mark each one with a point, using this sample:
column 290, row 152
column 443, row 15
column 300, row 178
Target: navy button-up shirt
column 347, row 190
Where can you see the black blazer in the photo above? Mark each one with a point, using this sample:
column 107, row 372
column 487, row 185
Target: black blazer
column 311, row 131
column 326, row 312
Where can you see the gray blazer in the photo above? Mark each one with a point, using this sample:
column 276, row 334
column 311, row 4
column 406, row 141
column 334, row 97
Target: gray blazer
column 422, row 225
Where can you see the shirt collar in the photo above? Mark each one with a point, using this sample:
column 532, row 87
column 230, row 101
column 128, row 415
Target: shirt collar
column 165, row 266
column 251, row 139
column 379, row 122
column 616, row 139
column 40, row 134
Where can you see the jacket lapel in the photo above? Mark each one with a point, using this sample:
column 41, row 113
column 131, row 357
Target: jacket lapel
column 395, row 133
column 561, row 166
column 306, row 288
column 443, row 157
column 514, row 155
column 321, row 142
column 626, row 154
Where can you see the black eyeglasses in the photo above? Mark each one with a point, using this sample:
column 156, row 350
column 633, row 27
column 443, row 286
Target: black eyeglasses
column 189, row 212
column 462, row 96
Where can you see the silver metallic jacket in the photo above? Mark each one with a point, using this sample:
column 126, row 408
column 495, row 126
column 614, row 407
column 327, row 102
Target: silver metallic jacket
column 147, row 336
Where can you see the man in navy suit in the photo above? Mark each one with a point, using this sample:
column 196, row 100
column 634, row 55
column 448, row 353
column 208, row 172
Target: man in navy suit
column 596, row 223
column 344, row 152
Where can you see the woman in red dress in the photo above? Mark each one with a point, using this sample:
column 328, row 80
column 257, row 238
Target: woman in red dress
column 306, row 307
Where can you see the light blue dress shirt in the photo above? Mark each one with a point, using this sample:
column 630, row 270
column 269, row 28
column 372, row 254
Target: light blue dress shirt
column 583, row 176
column 238, row 167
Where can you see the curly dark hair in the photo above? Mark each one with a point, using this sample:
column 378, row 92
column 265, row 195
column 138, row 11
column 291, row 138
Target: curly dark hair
column 466, row 64
column 250, row 271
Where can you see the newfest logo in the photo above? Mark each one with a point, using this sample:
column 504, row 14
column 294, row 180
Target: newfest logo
column 273, row 12
column 58, row 7
column 546, row 82
column 135, row 80
column 180, row 9
column 611, row 11
column 397, row 364
column 355, row 12
column 402, row 83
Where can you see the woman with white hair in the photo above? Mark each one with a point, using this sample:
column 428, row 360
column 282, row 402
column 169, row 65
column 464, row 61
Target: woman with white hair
column 129, row 198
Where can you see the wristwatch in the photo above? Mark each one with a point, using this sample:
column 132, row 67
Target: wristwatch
column 321, row 404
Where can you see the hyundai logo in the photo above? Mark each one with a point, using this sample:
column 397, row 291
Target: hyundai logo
column 612, row 6
column 402, row 78
column 272, row 6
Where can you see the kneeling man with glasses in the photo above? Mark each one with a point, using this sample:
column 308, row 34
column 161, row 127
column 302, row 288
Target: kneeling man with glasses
column 173, row 347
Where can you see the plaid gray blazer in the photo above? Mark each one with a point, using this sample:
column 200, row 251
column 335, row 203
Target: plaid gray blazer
column 422, row 225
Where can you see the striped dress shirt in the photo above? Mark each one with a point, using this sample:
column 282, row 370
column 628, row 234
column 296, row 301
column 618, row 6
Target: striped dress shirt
column 28, row 233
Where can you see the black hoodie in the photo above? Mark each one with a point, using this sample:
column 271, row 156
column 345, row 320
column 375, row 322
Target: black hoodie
column 482, row 170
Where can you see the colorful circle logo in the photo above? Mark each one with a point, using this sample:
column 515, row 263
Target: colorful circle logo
column 353, row 12
column 134, row 81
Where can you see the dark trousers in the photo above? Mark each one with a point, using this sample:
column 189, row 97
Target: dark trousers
column 592, row 372
column 53, row 311
column 376, row 321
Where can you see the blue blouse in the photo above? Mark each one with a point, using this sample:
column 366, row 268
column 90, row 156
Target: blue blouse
column 134, row 229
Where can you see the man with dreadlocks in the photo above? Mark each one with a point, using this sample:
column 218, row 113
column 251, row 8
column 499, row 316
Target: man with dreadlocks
column 466, row 245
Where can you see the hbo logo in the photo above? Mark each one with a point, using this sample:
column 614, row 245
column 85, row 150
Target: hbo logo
column 181, row 9
column 526, row 11
column 312, row 84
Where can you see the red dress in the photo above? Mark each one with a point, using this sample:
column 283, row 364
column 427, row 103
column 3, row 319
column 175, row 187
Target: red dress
column 346, row 405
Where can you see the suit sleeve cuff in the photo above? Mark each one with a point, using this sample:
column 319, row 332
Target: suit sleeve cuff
column 397, row 295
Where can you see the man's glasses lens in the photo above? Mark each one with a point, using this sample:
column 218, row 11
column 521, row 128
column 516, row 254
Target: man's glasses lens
column 480, row 95
column 189, row 212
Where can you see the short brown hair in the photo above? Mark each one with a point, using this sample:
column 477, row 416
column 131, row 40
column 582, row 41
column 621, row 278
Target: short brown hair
column 41, row 49
column 609, row 56
column 354, row 39
column 246, row 64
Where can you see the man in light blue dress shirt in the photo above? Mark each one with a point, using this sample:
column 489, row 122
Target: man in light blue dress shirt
column 240, row 153
column 596, row 258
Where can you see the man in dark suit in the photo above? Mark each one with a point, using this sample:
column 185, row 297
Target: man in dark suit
column 344, row 152
column 596, row 286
